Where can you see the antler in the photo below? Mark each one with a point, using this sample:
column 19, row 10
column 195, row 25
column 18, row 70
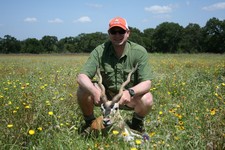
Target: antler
column 118, row 96
column 101, row 86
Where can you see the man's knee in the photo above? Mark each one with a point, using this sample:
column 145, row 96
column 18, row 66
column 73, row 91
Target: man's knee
column 148, row 99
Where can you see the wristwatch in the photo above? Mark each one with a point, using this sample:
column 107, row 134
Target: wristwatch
column 131, row 92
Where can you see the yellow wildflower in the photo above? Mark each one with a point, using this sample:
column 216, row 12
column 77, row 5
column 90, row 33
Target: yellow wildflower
column 115, row 132
column 176, row 138
column 50, row 113
column 31, row 132
column 178, row 106
column 151, row 134
column 138, row 141
column 124, row 133
column 181, row 122
column 10, row 125
column 47, row 103
column 178, row 116
column 40, row 128
column 181, row 128
column 213, row 111
column 27, row 106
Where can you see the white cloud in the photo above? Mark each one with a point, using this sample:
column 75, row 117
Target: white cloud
column 94, row 5
column 83, row 19
column 156, row 9
column 30, row 19
column 216, row 6
column 56, row 20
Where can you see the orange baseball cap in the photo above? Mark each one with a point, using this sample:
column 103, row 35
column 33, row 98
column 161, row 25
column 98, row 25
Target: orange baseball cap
column 118, row 22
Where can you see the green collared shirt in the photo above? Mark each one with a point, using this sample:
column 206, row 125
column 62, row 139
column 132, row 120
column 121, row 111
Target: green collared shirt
column 114, row 70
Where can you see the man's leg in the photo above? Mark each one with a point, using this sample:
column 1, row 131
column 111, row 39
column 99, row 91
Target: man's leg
column 142, row 106
column 86, row 105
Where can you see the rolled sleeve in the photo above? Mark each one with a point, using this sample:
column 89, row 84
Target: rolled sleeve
column 91, row 65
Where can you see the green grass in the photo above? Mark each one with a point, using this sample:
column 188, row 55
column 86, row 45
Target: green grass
column 38, row 93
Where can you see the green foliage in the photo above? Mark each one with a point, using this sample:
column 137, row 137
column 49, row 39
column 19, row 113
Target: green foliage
column 167, row 37
column 39, row 110
column 31, row 45
column 192, row 39
column 9, row 44
column 215, row 35
column 49, row 43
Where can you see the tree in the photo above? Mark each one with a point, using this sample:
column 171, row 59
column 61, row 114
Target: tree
column 192, row 39
column 148, row 38
column 94, row 39
column 214, row 32
column 68, row 44
column 32, row 45
column 136, row 36
column 49, row 43
column 10, row 44
column 166, row 37
column 87, row 42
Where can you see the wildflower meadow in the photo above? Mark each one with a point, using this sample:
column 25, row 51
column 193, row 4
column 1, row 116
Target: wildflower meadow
column 38, row 107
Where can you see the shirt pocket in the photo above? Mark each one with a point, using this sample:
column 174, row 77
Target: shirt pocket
column 108, row 76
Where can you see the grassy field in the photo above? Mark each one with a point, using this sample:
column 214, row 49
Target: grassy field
column 38, row 108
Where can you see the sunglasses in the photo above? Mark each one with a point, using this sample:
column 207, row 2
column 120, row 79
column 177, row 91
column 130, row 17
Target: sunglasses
column 113, row 32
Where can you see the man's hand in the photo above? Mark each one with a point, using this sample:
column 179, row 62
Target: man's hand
column 96, row 95
column 125, row 99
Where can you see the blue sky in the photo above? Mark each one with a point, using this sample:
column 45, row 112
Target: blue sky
column 24, row 19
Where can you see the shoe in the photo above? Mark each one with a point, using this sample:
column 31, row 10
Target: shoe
column 139, row 127
column 84, row 129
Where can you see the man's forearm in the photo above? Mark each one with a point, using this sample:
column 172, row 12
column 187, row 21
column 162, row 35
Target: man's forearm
column 85, row 83
column 142, row 87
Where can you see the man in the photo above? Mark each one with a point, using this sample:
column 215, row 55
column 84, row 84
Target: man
column 116, row 58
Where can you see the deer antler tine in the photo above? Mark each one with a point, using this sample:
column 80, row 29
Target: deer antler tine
column 118, row 96
column 101, row 86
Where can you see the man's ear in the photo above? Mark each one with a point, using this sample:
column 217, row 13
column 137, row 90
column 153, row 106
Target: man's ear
column 128, row 33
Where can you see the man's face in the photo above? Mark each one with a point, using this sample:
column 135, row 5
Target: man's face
column 118, row 36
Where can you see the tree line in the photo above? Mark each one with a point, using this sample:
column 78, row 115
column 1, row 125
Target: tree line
column 167, row 37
